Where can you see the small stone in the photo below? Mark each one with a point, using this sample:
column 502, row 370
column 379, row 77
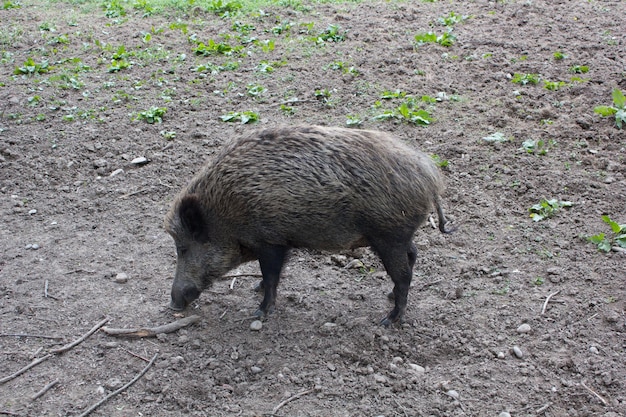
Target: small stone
column 339, row 260
column 417, row 369
column 331, row 367
column 354, row 264
column 121, row 278
column 330, row 325
column 523, row 328
column 518, row 352
column 116, row 172
column 139, row 161
column 500, row 355
column 256, row 325
column 31, row 212
column 34, row 246
column 454, row 394
column 594, row 350
column 110, row 345
column 29, row 246
column 256, row 370
column 504, row 414
column 554, row 271
column 380, row 378
column 100, row 163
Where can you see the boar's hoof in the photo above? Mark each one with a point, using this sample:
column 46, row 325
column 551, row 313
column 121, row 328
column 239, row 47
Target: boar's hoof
column 182, row 295
column 259, row 287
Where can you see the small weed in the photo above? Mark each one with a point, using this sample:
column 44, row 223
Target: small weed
column 547, row 208
column 579, row 69
column 392, row 94
column 34, row 101
column 446, row 39
column 538, row 281
column 354, row 121
column 618, row 109
column 558, row 55
column 152, row 115
column 214, row 48
column 8, row 4
column 255, row 90
column 118, row 65
column 169, row 135
column 538, row 147
column 144, row 5
column 288, row 110
column 407, row 111
column 325, row 96
column 113, row 9
column 617, row 238
column 524, row 79
column 553, row 85
column 442, row 163
column 452, row 19
column 496, row 137
column 331, row 34
column 224, row 8
column 30, row 67
column 244, row 117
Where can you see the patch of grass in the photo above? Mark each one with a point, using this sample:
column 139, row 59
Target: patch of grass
column 547, row 208
column 617, row 238
column 224, row 8
column 618, row 109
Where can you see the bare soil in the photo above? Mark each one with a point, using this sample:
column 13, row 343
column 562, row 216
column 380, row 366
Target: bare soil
column 68, row 186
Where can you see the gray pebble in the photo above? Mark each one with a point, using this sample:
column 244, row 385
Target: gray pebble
column 330, row 325
column 500, row 355
column 116, row 172
column 256, row 370
column 454, row 394
column 139, row 161
column 518, row 352
column 113, row 383
column 594, row 350
column 504, row 414
column 354, row 264
column 34, row 246
column 524, row 328
column 121, row 278
column 256, row 325
column 417, row 369
column 339, row 260
column 31, row 212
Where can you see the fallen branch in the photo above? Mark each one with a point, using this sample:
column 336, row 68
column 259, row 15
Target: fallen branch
column 152, row 331
column 598, row 396
column 117, row 391
column 543, row 408
column 40, row 336
column 44, row 390
column 290, row 399
column 24, row 369
column 545, row 304
column 9, row 413
column 80, row 339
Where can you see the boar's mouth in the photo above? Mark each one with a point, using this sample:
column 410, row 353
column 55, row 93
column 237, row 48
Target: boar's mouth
column 182, row 295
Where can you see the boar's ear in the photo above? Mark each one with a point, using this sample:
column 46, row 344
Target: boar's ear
column 192, row 218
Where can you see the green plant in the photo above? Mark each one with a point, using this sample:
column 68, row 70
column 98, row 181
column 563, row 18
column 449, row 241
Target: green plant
column 558, row 55
column 243, row 117
column 113, row 9
column 445, row 39
column 224, row 8
column 255, row 90
column 30, row 67
column 152, row 115
column 618, row 236
column 452, row 19
column 496, row 137
column 331, row 34
column 579, row 69
column 538, row 281
column 407, row 111
column 214, row 48
column 442, row 163
column 169, row 135
column 325, row 96
column 618, row 109
column 392, row 94
column 354, row 121
column 553, row 85
column 288, row 110
column 8, row 4
column 547, row 208
column 524, row 79
column 538, row 147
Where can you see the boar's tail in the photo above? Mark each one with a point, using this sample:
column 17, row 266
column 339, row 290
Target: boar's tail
column 444, row 226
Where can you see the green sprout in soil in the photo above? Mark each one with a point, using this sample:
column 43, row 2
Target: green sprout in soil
column 408, row 111
column 452, row 19
column 224, row 8
column 579, row 69
column 331, row 34
column 113, row 9
column 244, row 117
column 30, row 67
column 538, row 147
column 354, row 121
column 524, row 79
column 169, row 135
column 618, row 109
column 8, row 4
column 547, row 208
column 288, row 110
column 445, row 39
column 325, row 96
column 496, row 137
column 255, row 90
column 553, row 85
column 392, row 94
column 440, row 162
column 152, row 115
column 617, row 238
column 214, row 48
column 558, row 55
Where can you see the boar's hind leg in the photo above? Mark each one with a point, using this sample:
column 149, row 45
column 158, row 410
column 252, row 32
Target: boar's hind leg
column 271, row 259
column 398, row 259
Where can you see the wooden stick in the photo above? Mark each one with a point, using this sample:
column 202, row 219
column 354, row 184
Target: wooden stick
column 117, row 391
column 290, row 399
column 40, row 336
column 44, row 390
column 152, row 331
column 594, row 393
column 545, row 304
column 542, row 409
column 24, row 369
column 9, row 413
column 80, row 339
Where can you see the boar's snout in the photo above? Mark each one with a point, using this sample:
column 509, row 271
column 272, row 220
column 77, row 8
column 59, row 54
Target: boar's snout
column 182, row 294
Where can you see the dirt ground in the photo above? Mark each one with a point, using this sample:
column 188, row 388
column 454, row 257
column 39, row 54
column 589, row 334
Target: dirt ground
column 82, row 234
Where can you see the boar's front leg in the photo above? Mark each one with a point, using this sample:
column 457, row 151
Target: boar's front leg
column 271, row 260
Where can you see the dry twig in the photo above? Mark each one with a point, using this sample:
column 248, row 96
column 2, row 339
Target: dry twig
column 545, row 304
column 44, row 390
column 543, row 408
column 290, row 399
column 80, row 339
column 598, row 396
column 117, row 391
column 8, row 413
column 24, row 369
column 152, row 331
column 40, row 336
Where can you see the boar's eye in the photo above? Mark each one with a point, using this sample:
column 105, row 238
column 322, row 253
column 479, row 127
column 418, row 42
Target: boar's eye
column 181, row 250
